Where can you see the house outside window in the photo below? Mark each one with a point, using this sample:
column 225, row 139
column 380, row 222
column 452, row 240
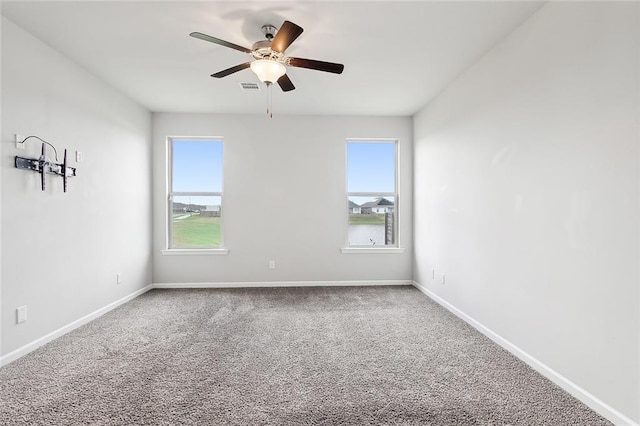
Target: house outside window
column 372, row 193
column 195, row 194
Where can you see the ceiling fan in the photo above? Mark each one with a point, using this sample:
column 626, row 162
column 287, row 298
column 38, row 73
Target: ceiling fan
column 269, row 59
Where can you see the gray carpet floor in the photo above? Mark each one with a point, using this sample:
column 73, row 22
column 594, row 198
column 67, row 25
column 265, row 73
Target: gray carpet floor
column 282, row 356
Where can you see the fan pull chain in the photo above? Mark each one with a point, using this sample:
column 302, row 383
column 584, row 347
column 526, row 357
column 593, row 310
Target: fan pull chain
column 269, row 101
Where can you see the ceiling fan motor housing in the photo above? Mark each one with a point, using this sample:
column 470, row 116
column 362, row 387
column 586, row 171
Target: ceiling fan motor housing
column 262, row 50
column 269, row 31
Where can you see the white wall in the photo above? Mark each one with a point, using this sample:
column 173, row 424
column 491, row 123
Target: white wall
column 284, row 199
column 526, row 195
column 61, row 251
column 1, row 23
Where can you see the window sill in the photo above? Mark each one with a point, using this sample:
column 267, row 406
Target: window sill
column 377, row 250
column 195, row 252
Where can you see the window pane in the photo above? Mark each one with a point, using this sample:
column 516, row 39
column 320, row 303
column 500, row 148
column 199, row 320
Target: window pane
column 371, row 167
column 372, row 221
column 197, row 166
column 196, row 221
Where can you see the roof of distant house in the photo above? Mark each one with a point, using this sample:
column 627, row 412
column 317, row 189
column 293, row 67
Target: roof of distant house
column 378, row 202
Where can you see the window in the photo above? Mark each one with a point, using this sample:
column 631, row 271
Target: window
column 195, row 194
column 372, row 193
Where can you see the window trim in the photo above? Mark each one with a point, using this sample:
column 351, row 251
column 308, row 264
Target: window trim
column 362, row 249
column 168, row 250
column 195, row 252
column 372, row 250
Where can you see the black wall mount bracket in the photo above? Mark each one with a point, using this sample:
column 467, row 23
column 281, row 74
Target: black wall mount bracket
column 45, row 166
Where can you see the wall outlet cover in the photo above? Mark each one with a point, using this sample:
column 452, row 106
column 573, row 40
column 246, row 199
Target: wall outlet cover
column 21, row 314
column 19, row 141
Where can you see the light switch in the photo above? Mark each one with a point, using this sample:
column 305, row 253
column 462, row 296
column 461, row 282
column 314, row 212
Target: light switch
column 21, row 314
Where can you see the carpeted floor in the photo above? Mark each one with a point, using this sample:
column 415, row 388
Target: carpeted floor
column 283, row 356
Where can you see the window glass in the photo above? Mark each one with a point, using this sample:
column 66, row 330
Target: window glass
column 195, row 197
column 372, row 193
column 197, row 166
column 371, row 167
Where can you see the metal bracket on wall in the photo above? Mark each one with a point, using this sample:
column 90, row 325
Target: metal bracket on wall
column 44, row 166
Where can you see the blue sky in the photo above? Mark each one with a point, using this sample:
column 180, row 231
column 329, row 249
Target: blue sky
column 197, row 167
column 371, row 167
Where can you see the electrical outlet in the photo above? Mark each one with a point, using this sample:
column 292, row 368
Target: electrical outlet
column 433, row 274
column 21, row 314
column 118, row 278
column 19, row 141
column 78, row 156
column 272, row 264
column 443, row 280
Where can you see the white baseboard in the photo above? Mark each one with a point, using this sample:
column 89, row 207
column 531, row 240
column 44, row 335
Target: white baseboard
column 576, row 391
column 283, row 284
column 29, row 347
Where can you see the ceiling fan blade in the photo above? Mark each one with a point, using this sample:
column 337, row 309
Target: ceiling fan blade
column 220, row 42
column 231, row 70
column 316, row 65
column 286, row 35
column 285, row 83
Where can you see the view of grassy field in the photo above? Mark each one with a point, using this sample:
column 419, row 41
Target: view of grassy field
column 196, row 231
column 366, row 219
column 191, row 230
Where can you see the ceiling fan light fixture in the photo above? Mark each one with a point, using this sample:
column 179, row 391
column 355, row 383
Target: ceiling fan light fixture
column 268, row 71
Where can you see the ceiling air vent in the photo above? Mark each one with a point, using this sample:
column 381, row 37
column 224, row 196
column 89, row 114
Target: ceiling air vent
column 250, row 87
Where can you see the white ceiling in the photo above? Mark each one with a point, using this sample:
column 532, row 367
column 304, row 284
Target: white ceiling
column 397, row 55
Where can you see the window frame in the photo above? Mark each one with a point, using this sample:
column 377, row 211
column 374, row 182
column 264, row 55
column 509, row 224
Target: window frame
column 170, row 195
column 396, row 247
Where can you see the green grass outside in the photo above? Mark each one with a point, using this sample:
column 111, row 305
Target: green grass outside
column 366, row 219
column 196, row 231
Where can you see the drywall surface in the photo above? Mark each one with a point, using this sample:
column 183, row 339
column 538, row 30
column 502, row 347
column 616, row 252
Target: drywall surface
column 526, row 195
column 0, row 196
column 61, row 251
column 284, row 198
